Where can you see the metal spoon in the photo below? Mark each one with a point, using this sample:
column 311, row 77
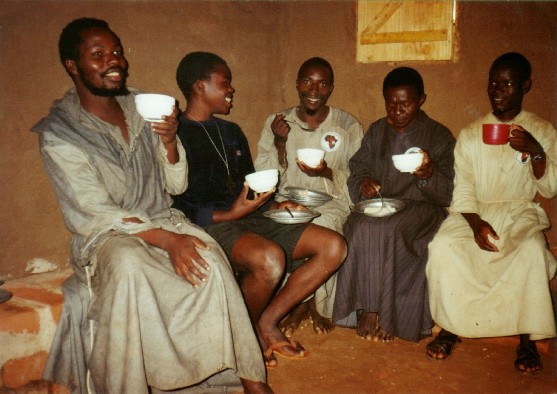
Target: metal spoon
column 288, row 210
column 297, row 124
column 380, row 195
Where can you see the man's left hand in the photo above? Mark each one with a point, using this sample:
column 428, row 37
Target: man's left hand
column 321, row 169
column 167, row 129
column 426, row 169
column 522, row 141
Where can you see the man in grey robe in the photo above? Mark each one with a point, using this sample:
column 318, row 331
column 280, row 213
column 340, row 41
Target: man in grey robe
column 163, row 306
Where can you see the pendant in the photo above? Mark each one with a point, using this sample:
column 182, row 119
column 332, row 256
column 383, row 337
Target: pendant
column 230, row 185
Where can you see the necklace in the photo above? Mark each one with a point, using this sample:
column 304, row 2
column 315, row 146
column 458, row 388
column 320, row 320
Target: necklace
column 230, row 185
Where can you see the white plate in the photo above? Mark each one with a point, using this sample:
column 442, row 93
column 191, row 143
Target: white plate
column 300, row 216
column 373, row 207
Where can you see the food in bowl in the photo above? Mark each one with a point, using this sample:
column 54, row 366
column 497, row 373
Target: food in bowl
column 409, row 161
column 262, row 181
column 152, row 107
column 312, row 157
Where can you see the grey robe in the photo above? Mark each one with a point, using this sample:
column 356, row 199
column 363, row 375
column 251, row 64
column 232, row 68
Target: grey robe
column 150, row 326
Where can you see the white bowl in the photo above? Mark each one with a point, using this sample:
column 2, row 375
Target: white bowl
column 262, row 181
column 152, row 107
column 408, row 162
column 312, row 157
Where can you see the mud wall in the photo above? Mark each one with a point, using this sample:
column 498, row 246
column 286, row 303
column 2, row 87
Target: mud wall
column 264, row 43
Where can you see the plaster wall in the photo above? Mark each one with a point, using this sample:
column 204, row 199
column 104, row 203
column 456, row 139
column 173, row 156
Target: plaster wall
column 264, row 43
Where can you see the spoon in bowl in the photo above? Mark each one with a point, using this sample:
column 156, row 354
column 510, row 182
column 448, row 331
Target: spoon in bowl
column 289, row 212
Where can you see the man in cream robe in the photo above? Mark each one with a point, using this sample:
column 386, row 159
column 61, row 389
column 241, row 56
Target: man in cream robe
column 489, row 265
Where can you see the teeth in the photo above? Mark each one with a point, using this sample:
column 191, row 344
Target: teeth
column 113, row 74
column 228, row 99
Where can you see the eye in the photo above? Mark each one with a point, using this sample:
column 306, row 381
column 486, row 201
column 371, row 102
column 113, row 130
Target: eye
column 97, row 54
column 323, row 84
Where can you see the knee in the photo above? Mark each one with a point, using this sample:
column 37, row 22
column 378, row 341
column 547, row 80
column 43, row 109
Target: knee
column 119, row 257
column 334, row 249
column 268, row 263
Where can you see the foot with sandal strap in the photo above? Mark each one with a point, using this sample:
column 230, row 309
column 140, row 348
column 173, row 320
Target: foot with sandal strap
column 442, row 346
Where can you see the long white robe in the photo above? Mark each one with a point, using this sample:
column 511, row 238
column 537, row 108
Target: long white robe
column 476, row 293
column 340, row 135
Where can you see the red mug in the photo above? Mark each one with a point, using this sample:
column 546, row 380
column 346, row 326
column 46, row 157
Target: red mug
column 495, row 133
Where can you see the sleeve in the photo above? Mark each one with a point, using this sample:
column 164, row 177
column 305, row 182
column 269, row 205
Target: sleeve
column 464, row 193
column 85, row 202
column 359, row 167
column 267, row 154
column 342, row 172
column 439, row 187
column 547, row 184
column 176, row 175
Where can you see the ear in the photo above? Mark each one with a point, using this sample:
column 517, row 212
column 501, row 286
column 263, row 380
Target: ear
column 526, row 86
column 199, row 86
column 422, row 99
column 71, row 67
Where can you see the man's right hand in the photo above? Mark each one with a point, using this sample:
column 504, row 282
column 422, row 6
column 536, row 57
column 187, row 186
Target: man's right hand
column 280, row 129
column 370, row 187
column 482, row 231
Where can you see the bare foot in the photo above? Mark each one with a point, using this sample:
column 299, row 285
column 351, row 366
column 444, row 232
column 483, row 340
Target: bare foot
column 251, row 387
column 293, row 320
column 383, row 335
column 321, row 324
column 367, row 325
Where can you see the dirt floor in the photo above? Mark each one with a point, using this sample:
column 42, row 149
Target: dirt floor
column 341, row 362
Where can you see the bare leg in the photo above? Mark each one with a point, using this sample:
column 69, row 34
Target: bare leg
column 321, row 324
column 261, row 263
column 367, row 325
column 323, row 259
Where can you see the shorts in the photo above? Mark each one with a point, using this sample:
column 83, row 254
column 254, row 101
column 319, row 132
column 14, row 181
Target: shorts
column 285, row 235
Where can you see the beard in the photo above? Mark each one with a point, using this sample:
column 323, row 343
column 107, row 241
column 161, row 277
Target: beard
column 103, row 91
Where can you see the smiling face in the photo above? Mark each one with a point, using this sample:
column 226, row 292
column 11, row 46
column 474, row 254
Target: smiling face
column 218, row 91
column 314, row 85
column 101, row 67
column 506, row 90
column 402, row 104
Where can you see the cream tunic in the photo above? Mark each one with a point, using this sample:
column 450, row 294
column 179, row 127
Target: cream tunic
column 476, row 293
column 340, row 135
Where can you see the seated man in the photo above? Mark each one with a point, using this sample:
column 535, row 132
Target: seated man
column 313, row 124
column 489, row 265
column 167, row 311
column 381, row 288
column 217, row 199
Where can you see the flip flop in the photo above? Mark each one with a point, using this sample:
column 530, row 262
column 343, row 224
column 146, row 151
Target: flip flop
column 275, row 348
column 443, row 343
column 528, row 357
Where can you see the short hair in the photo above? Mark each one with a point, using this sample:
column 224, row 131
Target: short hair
column 70, row 38
column 196, row 66
column 404, row 76
column 515, row 61
column 317, row 61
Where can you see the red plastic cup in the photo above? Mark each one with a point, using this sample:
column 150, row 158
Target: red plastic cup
column 495, row 133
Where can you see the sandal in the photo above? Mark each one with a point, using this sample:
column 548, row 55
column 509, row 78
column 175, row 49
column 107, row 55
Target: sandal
column 528, row 357
column 276, row 346
column 444, row 343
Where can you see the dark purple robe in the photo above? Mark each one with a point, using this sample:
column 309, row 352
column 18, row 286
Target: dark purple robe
column 385, row 268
